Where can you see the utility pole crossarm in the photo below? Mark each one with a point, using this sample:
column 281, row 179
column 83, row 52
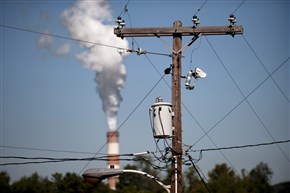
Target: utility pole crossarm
column 177, row 32
column 185, row 31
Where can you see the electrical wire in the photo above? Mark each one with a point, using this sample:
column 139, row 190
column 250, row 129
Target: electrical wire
column 262, row 64
column 252, row 108
column 130, row 21
column 52, row 159
column 162, row 78
column 193, row 50
column 201, row 178
column 239, row 6
column 100, row 44
column 114, row 46
column 183, row 103
column 83, row 41
column 125, row 9
column 236, row 106
column 56, row 160
column 244, row 146
column 126, row 119
column 48, row 150
column 200, row 7
column 156, row 141
column 138, row 158
column 62, row 37
column 226, row 148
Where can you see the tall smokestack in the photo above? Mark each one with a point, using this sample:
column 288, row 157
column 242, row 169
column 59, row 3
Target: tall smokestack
column 113, row 156
column 92, row 21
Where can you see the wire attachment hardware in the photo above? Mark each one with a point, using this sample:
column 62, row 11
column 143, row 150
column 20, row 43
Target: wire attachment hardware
column 233, row 21
column 121, row 22
column 195, row 21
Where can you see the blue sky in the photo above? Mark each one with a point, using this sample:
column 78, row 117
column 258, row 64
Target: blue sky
column 50, row 101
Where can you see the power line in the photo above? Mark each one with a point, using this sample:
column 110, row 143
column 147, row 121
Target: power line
column 125, row 10
column 48, row 150
column 252, row 108
column 262, row 64
column 239, row 6
column 201, row 178
column 258, row 86
column 243, row 146
column 52, row 159
column 83, row 41
column 105, row 158
column 62, row 37
column 200, row 7
column 55, row 160
column 143, row 99
column 162, row 78
column 206, row 134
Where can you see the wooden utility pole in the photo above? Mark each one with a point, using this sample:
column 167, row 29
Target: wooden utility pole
column 176, row 164
column 177, row 31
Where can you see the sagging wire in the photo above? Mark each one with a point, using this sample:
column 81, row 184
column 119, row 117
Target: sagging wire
column 262, row 64
column 126, row 119
column 197, row 171
column 119, row 49
column 151, row 161
column 61, row 37
column 189, row 161
column 137, row 157
column 191, row 54
column 243, row 95
column 242, row 146
column 56, row 160
column 48, row 150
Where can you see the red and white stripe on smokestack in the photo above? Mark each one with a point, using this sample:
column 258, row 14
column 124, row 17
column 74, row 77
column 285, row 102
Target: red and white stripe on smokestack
column 113, row 156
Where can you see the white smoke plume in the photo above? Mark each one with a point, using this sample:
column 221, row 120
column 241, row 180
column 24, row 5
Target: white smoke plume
column 47, row 42
column 92, row 21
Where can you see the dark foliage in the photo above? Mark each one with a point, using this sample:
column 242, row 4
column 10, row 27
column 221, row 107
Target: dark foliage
column 222, row 179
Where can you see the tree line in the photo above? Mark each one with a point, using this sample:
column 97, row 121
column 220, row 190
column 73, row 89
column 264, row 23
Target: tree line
column 221, row 179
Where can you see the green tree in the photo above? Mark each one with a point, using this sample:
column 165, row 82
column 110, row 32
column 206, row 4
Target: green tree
column 5, row 182
column 32, row 184
column 69, row 183
column 222, row 179
column 259, row 179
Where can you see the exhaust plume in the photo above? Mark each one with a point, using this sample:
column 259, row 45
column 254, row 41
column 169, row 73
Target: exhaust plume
column 92, row 21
